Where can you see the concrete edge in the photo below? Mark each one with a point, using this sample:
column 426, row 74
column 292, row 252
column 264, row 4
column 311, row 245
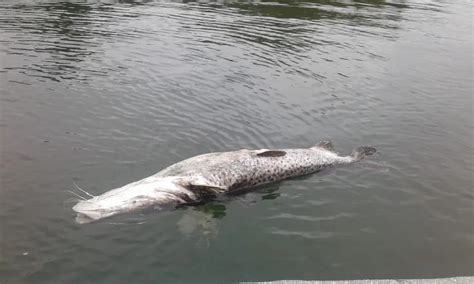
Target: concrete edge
column 452, row 280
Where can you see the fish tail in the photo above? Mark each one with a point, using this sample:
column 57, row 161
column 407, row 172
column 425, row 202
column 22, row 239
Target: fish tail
column 361, row 152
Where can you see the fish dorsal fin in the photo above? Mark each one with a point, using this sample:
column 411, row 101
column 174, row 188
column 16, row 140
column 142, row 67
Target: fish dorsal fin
column 325, row 144
column 271, row 153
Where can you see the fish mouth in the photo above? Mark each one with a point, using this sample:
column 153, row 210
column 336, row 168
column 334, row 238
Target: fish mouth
column 87, row 212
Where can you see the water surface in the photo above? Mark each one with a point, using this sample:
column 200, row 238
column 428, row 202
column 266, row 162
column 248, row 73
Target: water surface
column 105, row 93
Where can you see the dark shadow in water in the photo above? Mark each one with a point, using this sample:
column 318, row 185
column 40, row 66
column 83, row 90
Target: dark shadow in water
column 317, row 10
column 266, row 27
column 60, row 35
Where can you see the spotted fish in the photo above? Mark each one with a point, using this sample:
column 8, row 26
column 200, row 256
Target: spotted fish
column 202, row 178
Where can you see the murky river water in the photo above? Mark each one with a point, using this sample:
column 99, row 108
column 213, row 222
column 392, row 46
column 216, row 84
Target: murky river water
column 102, row 94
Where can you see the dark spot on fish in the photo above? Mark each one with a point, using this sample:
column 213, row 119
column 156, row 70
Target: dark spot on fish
column 272, row 153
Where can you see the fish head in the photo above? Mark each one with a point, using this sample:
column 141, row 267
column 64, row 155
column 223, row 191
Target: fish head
column 148, row 193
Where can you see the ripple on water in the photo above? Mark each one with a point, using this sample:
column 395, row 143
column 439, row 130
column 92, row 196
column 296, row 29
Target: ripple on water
column 315, row 235
column 143, row 85
column 173, row 94
column 309, row 218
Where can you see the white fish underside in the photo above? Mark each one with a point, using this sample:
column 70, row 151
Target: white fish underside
column 201, row 177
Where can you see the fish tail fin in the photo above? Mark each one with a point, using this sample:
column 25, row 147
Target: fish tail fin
column 361, row 152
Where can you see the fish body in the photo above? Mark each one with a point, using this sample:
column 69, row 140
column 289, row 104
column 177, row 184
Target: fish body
column 203, row 177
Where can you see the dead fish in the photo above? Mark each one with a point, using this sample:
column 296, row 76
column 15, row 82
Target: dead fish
column 202, row 178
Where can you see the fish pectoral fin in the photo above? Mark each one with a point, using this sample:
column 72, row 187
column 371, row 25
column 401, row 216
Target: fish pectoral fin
column 326, row 145
column 209, row 188
column 205, row 192
column 201, row 183
column 271, row 153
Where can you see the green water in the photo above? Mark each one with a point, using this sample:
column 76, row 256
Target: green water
column 105, row 93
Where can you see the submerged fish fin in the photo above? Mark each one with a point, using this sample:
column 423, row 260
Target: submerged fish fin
column 362, row 152
column 271, row 153
column 325, row 144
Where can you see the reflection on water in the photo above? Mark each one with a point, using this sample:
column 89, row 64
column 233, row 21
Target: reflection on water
column 61, row 34
column 101, row 93
column 199, row 222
